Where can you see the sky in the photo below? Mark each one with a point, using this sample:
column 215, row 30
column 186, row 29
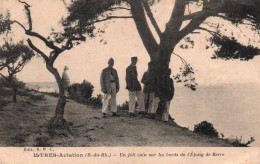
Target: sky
column 87, row 60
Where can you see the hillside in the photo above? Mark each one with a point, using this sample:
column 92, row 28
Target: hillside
column 23, row 124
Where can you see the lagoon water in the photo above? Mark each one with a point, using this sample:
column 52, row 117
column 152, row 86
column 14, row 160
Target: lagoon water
column 234, row 110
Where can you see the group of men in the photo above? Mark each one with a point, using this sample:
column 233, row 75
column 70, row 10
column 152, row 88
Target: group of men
column 155, row 90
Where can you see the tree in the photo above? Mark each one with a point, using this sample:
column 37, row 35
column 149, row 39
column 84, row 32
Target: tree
column 14, row 57
column 57, row 43
column 234, row 11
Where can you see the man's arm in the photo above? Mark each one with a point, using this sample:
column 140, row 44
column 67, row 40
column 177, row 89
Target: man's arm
column 102, row 83
column 128, row 78
column 144, row 78
column 117, row 82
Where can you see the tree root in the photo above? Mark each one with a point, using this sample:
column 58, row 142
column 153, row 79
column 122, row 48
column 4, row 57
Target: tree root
column 58, row 126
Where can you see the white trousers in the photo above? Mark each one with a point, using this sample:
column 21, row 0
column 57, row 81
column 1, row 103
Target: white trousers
column 132, row 99
column 165, row 115
column 150, row 96
column 113, row 100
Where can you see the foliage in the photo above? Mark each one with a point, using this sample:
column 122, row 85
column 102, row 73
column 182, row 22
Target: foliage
column 239, row 142
column 95, row 101
column 238, row 11
column 54, row 94
column 10, row 53
column 87, row 11
column 3, row 82
column 124, row 106
column 37, row 97
column 82, row 90
column 5, row 22
column 18, row 83
column 82, row 93
column 186, row 76
column 83, row 15
column 206, row 128
column 13, row 57
column 230, row 48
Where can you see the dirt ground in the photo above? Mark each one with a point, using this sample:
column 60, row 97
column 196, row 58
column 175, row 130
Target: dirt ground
column 21, row 123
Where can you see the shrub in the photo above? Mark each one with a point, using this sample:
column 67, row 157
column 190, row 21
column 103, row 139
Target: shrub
column 239, row 142
column 95, row 101
column 124, row 106
column 3, row 82
column 81, row 91
column 206, row 128
column 54, row 94
column 19, row 84
column 37, row 97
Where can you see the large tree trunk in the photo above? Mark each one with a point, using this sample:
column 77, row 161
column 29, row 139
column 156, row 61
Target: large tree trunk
column 160, row 54
column 57, row 124
column 160, row 66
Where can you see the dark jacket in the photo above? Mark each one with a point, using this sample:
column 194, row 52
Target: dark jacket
column 149, row 82
column 105, row 79
column 165, row 88
column 132, row 83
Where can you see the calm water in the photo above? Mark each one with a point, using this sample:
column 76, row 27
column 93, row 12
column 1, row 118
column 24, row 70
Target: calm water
column 232, row 109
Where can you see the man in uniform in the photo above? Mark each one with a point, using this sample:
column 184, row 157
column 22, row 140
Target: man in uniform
column 109, row 86
column 164, row 93
column 148, row 80
column 134, row 88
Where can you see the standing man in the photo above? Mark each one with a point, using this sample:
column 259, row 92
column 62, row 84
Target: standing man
column 149, row 88
column 65, row 80
column 134, row 88
column 109, row 86
column 164, row 93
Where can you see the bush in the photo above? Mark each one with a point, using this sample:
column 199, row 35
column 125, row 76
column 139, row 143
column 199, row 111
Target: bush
column 95, row 101
column 19, row 84
column 206, row 128
column 3, row 82
column 239, row 142
column 54, row 94
column 82, row 91
column 124, row 106
column 37, row 97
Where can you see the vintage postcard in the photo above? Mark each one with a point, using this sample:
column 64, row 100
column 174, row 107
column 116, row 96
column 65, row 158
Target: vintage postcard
column 129, row 81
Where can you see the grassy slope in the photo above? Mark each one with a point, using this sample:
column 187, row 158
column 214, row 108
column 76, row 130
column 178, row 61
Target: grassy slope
column 21, row 123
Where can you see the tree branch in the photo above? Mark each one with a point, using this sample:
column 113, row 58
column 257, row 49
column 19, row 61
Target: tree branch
column 26, row 4
column 47, row 43
column 182, row 60
column 37, row 50
column 4, row 77
column 69, row 43
column 168, row 37
column 28, row 12
column 175, row 22
column 34, row 34
column 209, row 31
column 150, row 15
column 120, row 8
column 112, row 17
column 143, row 28
column 19, row 24
column 191, row 16
column 209, row 9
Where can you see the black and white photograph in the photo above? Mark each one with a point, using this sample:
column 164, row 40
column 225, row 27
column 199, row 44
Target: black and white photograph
column 130, row 74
